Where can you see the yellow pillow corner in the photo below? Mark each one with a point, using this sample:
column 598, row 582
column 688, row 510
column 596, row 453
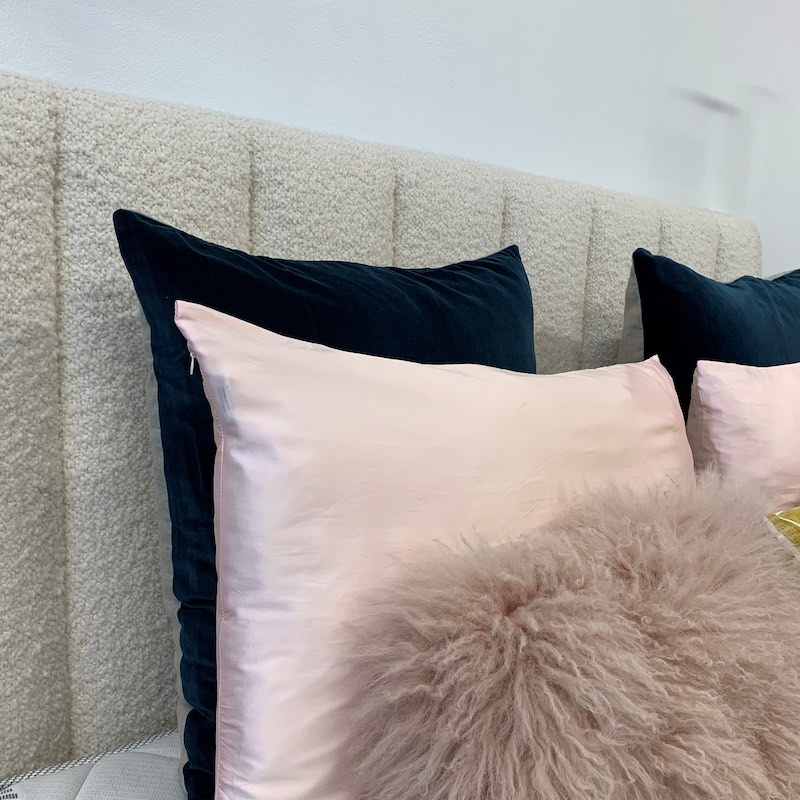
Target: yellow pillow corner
column 787, row 524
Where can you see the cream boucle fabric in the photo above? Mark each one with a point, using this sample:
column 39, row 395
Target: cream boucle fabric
column 34, row 675
column 85, row 653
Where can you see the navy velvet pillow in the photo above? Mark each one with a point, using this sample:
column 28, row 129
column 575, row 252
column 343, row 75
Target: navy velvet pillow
column 472, row 312
column 687, row 317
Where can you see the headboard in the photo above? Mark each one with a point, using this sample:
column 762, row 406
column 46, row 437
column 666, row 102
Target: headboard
column 85, row 654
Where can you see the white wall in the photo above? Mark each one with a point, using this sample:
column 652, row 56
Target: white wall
column 613, row 92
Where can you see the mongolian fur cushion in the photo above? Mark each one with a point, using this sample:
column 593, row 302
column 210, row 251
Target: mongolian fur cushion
column 641, row 649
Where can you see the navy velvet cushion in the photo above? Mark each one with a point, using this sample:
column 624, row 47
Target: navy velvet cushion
column 687, row 317
column 472, row 312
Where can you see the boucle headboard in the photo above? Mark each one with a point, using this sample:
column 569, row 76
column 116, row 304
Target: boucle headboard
column 85, row 655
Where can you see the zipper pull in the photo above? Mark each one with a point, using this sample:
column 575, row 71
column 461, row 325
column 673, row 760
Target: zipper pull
column 191, row 363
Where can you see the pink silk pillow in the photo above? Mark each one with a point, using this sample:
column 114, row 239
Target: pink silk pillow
column 333, row 467
column 746, row 422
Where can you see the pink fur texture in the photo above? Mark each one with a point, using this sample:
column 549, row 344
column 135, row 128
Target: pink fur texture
column 641, row 649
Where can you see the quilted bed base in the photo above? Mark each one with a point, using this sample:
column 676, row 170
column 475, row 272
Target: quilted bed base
column 143, row 770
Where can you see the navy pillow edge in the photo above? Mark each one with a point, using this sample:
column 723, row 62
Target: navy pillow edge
column 140, row 255
column 688, row 316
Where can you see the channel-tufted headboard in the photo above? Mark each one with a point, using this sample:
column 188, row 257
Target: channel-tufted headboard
column 85, row 652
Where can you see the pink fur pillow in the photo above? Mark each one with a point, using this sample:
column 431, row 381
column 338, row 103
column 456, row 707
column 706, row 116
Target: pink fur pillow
column 637, row 650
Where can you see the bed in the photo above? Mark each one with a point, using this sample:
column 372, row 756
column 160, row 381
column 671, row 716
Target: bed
column 88, row 650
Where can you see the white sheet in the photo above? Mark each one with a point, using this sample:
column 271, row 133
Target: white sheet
column 147, row 772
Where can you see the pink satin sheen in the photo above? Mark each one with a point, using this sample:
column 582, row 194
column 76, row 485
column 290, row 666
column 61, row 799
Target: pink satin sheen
column 746, row 421
column 331, row 466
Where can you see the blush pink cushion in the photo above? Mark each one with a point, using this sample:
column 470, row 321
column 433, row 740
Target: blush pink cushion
column 746, row 422
column 333, row 467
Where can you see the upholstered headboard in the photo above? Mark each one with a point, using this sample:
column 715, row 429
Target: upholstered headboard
column 85, row 655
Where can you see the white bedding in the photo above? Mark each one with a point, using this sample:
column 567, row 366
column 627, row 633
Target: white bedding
column 146, row 771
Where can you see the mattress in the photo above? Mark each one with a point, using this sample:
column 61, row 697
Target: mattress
column 144, row 770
